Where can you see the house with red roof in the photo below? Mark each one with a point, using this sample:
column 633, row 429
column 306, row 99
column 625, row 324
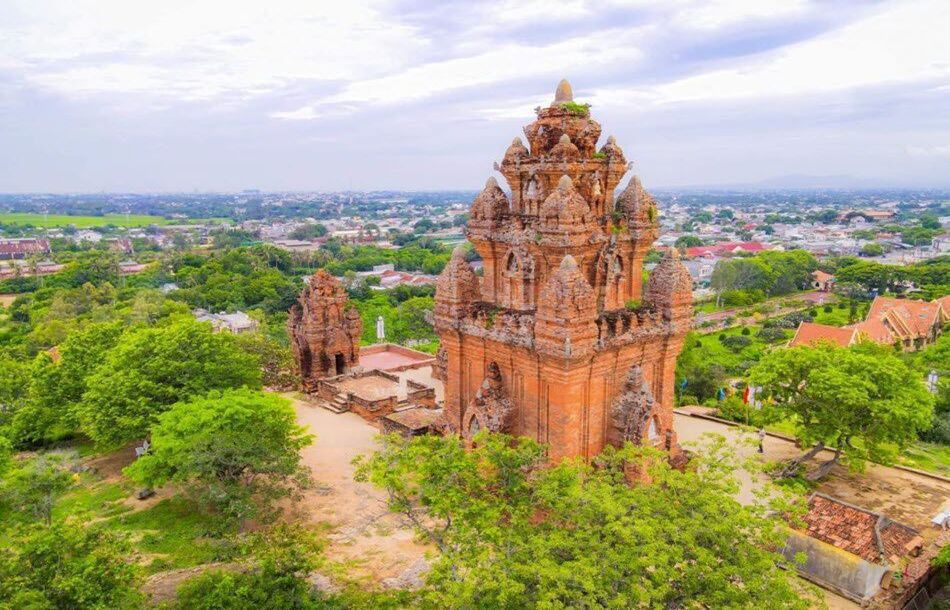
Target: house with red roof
column 909, row 323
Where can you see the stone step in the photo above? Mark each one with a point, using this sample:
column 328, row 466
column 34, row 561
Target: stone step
column 334, row 407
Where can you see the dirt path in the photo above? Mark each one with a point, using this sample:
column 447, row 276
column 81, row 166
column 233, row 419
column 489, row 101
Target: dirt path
column 371, row 542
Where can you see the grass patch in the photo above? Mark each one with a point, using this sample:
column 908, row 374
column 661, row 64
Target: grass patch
column 178, row 531
column 836, row 317
column 927, row 456
column 96, row 499
column 82, row 222
column 734, row 361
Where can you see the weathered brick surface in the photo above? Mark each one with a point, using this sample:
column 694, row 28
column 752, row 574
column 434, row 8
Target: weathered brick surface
column 324, row 330
column 558, row 321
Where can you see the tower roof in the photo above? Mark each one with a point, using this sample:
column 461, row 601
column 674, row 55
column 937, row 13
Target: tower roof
column 670, row 283
column 563, row 93
column 491, row 203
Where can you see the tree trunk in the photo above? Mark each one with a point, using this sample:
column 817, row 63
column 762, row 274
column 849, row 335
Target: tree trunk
column 790, row 468
column 825, row 467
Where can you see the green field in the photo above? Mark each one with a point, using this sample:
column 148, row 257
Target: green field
column 82, row 222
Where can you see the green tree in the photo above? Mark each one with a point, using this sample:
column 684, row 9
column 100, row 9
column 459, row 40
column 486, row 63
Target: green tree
column 34, row 485
column 412, row 313
column 687, row 241
column 67, row 567
column 872, row 249
column 514, row 532
column 275, row 581
column 6, row 455
column 739, row 274
column 309, row 231
column 14, row 381
column 278, row 368
column 57, row 386
column 858, row 401
column 152, row 368
column 236, row 452
column 930, row 221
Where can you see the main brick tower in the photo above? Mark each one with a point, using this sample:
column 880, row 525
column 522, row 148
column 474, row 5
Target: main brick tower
column 557, row 341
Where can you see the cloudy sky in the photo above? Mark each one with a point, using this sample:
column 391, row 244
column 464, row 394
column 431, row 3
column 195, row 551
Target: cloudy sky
column 170, row 95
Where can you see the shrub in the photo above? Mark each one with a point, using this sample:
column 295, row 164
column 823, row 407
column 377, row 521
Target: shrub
column 771, row 335
column 736, row 342
column 746, row 331
column 828, row 309
column 688, row 399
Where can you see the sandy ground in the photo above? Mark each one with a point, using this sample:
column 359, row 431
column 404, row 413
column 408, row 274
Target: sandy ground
column 7, row 299
column 372, row 542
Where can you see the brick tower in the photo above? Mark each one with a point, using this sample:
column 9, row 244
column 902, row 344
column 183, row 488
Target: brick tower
column 324, row 330
column 556, row 340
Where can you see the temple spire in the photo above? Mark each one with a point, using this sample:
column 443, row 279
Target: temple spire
column 563, row 93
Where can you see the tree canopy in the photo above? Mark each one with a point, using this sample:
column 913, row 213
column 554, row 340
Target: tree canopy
column 514, row 532
column 859, row 401
column 235, row 451
column 149, row 369
column 66, row 566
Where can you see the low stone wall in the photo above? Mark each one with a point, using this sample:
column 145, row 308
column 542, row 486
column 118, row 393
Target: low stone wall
column 834, row 568
column 420, row 395
column 371, row 410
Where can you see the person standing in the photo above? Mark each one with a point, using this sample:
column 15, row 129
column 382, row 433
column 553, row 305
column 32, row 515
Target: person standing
column 761, row 440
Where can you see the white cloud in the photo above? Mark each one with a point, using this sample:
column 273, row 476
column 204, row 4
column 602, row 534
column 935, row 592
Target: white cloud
column 928, row 151
column 714, row 14
column 907, row 42
column 198, row 50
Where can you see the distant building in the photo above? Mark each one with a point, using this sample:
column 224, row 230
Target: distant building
column 236, row 323
column 822, row 281
column 391, row 279
column 120, row 244
column 725, row 249
column 912, row 324
column 11, row 249
column 701, row 270
column 130, row 267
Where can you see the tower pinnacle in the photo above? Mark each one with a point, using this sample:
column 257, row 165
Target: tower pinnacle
column 563, row 93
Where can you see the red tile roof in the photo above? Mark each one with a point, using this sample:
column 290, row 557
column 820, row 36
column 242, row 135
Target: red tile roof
column 864, row 533
column 809, row 333
column 23, row 246
column 891, row 319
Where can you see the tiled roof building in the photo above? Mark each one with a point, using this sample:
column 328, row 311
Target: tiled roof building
column 912, row 324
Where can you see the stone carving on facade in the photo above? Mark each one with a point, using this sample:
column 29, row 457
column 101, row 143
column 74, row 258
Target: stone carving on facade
column 491, row 408
column 324, row 330
column 559, row 307
column 438, row 368
column 631, row 415
column 670, row 289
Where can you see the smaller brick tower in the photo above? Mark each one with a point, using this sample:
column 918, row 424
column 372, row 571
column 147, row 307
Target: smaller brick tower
column 324, row 330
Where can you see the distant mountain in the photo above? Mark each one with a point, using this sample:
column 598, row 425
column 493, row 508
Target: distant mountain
column 796, row 182
column 803, row 181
